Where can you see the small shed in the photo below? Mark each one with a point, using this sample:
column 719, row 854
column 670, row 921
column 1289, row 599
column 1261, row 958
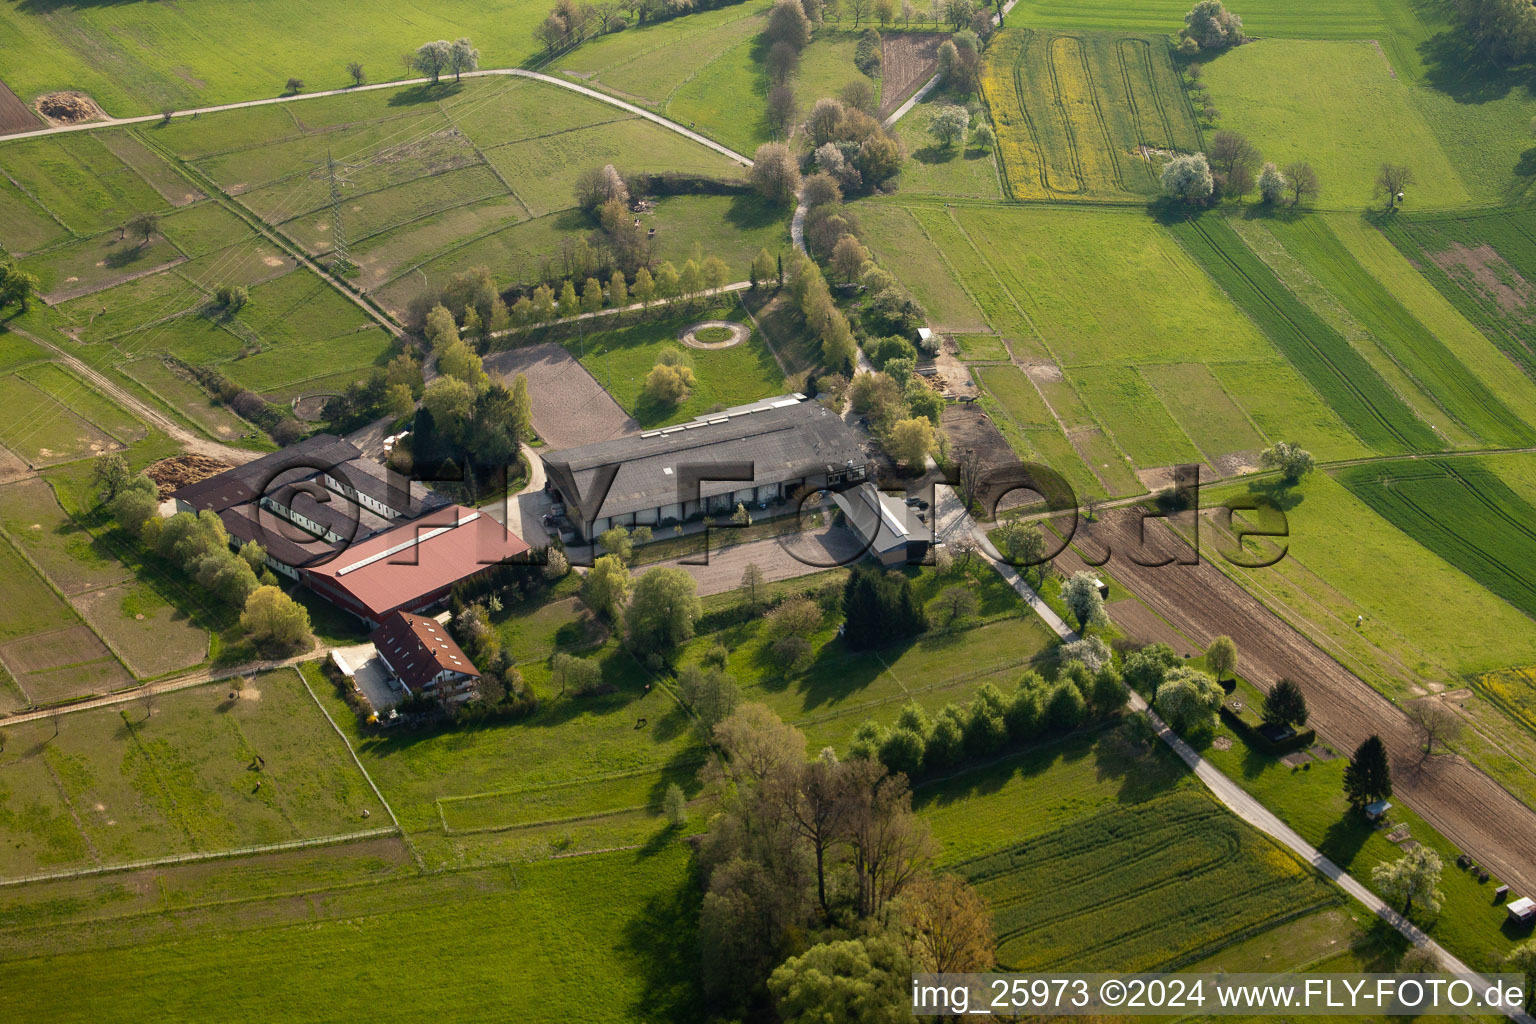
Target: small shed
column 1522, row 911
column 885, row 524
column 1101, row 587
column 923, row 336
column 1376, row 809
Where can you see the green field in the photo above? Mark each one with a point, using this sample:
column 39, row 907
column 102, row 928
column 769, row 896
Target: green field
column 971, row 171
column 620, row 357
column 532, row 942
column 1484, row 264
column 1328, row 362
column 1461, row 512
column 135, row 59
column 122, row 784
column 1118, row 890
column 1085, row 115
column 1339, row 552
column 1339, row 106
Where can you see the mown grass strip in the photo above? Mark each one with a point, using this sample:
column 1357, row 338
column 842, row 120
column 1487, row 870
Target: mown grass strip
column 1339, row 373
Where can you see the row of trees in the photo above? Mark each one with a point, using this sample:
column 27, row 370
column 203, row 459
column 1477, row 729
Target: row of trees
column 199, row 546
column 920, row 745
column 960, row 56
column 950, row 123
column 1232, row 170
column 432, row 59
column 569, row 23
column 819, row 896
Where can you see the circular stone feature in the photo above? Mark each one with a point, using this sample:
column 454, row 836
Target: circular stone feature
column 714, row 334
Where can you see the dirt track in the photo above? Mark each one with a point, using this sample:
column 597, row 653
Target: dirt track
column 1467, row 806
column 15, row 116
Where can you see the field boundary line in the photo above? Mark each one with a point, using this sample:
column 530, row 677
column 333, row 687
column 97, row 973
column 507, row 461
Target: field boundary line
column 366, row 777
column 59, row 592
column 193, row 858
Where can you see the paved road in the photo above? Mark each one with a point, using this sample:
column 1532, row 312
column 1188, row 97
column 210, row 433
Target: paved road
column 954, row 522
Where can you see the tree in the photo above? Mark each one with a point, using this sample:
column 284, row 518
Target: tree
column 949, row 59
column 675, row 806
column 521, row 415
column 1272, row 184
column 1221, row 658
column 569, row 305
column 1212, row 26
column 1082, row 597
column 1024, row 544
column 462, row 57
column 982, row 136
column 889, row 844
column 433, row 58
column 1090, row 651
column 1368, row 776
column 948, row 926
column 663, row 610
column 144, row 224
column 1188, row 179
column 782, row 108
column 1232, row 159
column 134, row 504
column 615, row 541
column 1415, row 876
column 356, row 71
column 1523, row 959
column 275, row 621
column 232, row 297
column 859, row 8
column 579, row 676
column 787, row 23
column 591, row 295
column 762, row 269
column 1285, row 704
column 948, row 125
column 848, row 258
column 1188, row 699
column 1437, row 724
column 955, row 603
column 782, row 60
column 1292, row 460
column 17, row 287
column 111, row 474
column 775, row 173
column 825, row 121
column 669, row 385
column 911, row 441
column 711, row 693
column 294, row 86
column 756, row 742
column 1301, row 181
column 606, row 587
column 1391, row 181
column 862, row 980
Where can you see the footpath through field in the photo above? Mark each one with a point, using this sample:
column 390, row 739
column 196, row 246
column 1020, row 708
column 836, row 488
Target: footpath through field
column 952, row 521
column 402, row 83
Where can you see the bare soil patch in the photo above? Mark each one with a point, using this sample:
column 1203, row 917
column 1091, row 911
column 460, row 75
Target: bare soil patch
column 1467, row 806
column 1041, row 370
column 1484, row 272
column 15, row 116
column 570, row 408
column 969, row 427
column 63, row 663
column 311, row 408
column 1159, row 477
column 908, row 59
column 69, row 107
column 1145, row 626
column 181, row 470
column 954, row 377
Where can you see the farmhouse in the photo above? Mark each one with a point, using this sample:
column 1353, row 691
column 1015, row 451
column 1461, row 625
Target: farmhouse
column 765, row 452
column 367, row 539
column 421, row 654
column 888, row 528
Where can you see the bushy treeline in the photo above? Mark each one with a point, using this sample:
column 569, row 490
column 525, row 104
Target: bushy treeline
column 277, row 420
column 919, row 745
column 569, row 23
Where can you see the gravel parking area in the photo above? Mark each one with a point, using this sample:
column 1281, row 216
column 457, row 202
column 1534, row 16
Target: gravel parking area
column 570, row 408
column 780, row 558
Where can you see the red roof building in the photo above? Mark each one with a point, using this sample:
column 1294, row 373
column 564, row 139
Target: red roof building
column 424, row 657
column 415, row 565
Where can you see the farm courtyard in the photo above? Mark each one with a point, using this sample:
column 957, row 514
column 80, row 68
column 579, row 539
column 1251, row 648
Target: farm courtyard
column 704, row 655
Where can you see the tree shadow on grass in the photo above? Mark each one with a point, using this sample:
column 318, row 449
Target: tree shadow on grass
column 749, row 211
column 664, row 938
column 936, row 154
column 127, row 254
column 418, row 94
column 1344, row 838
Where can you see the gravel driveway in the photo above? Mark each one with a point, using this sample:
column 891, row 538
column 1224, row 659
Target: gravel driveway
column 570, row 408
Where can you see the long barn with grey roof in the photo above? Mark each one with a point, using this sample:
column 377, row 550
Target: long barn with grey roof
column 788, row 443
